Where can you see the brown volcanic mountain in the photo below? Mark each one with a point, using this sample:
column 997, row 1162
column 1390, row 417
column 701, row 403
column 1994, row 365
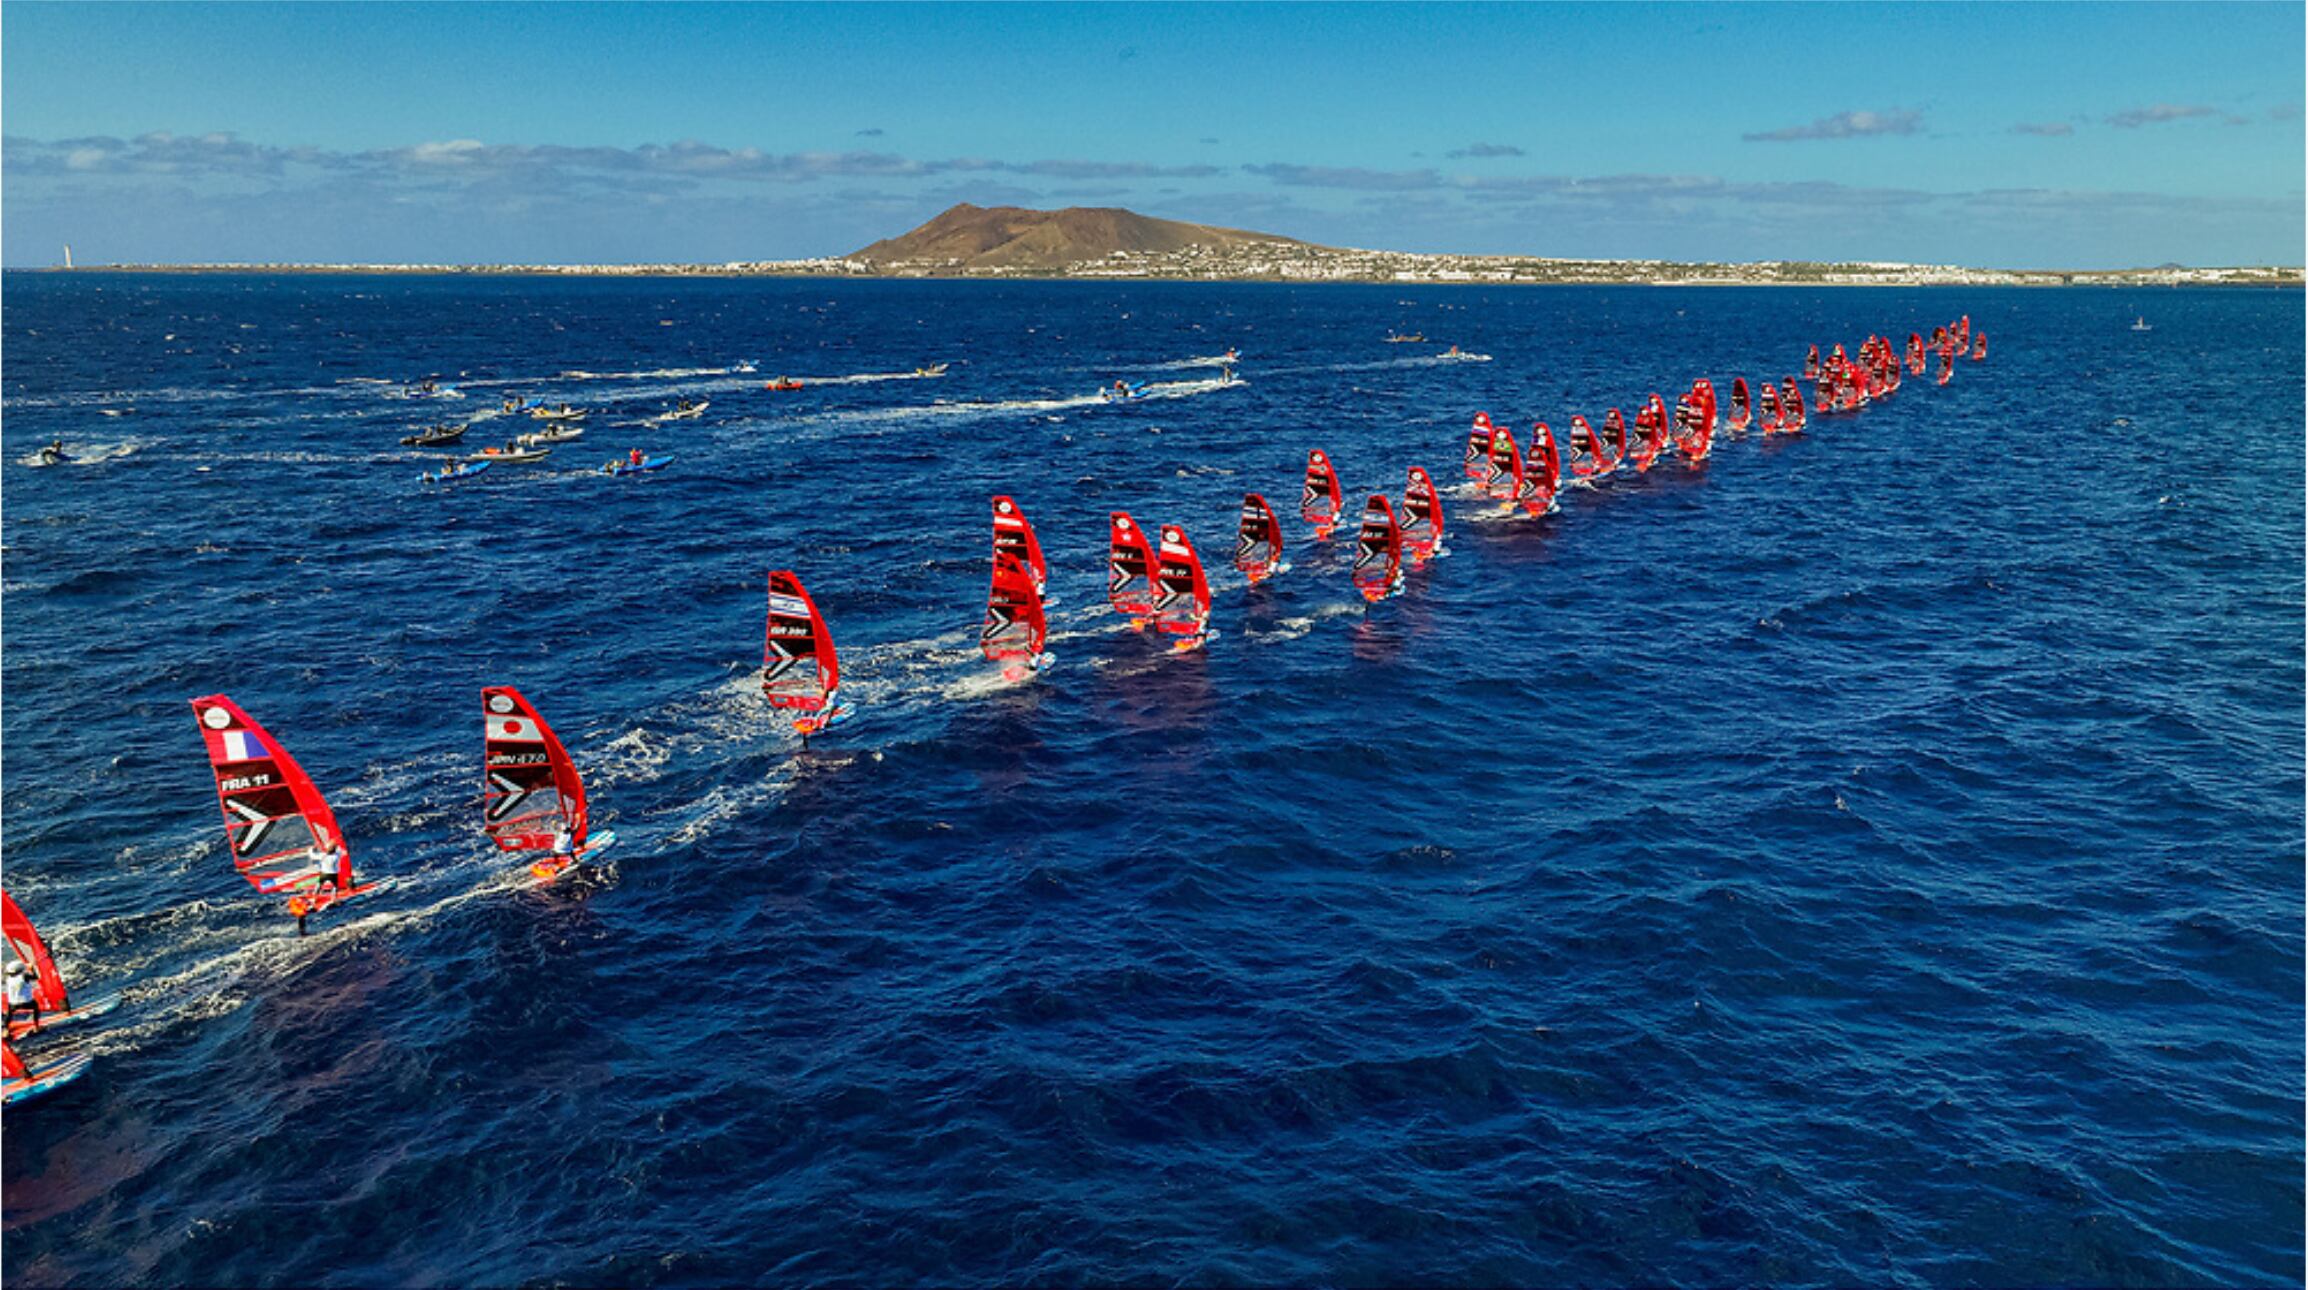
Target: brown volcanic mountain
column 1012, row 237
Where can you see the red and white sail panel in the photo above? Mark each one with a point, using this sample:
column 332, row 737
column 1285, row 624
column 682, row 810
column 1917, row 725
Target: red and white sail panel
column 1014, row 630
column 1183, row 607
column 1378, row 550
column 799, row 668
column 1505, row 479
column 32, row 952
column 530, row 790
column 1478, row 454
column 1129, row 567
column 1258, row 544
column 1013, row 534
column 278, row 827
column 1320, row 502
column 1422, row 517
column 1542, row 473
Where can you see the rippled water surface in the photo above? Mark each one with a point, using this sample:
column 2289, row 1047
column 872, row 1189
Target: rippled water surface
column 1872, row 858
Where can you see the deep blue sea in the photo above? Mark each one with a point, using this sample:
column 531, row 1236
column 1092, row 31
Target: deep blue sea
column 1874, row 857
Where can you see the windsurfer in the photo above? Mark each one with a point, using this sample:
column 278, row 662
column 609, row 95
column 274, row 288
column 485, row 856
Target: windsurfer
column 19, row 995
column 563, row 854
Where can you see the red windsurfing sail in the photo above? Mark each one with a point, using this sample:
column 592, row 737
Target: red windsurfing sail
column 1378, row 550
column 1615, row 434
column 32, row 952
column 1506, row 466
column 1542, row 473
column 1915, row 356
column 529, row 788
column 1791, row 415
column 1422, row 517
column 1650, row 432
column 1012, row 533
column 799, row 669
column 1183, row 608
column 1129, row 567
column 1591, row 458
column 1014, row 631
column 1258, row 544
column 1320, row 502
column 1811, row 365
column 1767, row 401
column 1978, row 346
column 279, row 829
column 1741, row 412
column 1696, row 422
column 1479, row 447
column 1946, row 364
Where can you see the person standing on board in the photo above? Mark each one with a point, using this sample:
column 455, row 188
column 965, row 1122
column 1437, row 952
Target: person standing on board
column 19, row 995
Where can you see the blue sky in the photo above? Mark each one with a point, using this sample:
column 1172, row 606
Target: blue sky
column 2032, row 135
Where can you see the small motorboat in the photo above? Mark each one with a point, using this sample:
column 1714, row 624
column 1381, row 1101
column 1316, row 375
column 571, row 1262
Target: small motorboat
column 2141, row 324
column 464, row 470
column 562, row 413
column 1415, row 338
column 934, row 369
column 781, row 383
column 435, row 436
column 512, row 455
column 627, row 466
column 684, row 410
column 558, row 434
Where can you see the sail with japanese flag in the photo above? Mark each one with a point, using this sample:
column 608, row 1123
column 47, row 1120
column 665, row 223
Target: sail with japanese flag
column 1422, row 518
column 530, row 790
column 1478, row 455
column 800, row 671
column 278, row 828
column 1130, row 566
column 1320, row 502
column 1258, row 543
column 1377, row 568
column 1015, row 535
column 1182, row 607
column 1014, row 630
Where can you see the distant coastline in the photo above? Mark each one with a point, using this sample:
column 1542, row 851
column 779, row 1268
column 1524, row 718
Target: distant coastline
column 1092, row 243
column 1399, row 268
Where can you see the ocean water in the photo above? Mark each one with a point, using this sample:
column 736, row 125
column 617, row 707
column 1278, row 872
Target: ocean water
column 1874, row 857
